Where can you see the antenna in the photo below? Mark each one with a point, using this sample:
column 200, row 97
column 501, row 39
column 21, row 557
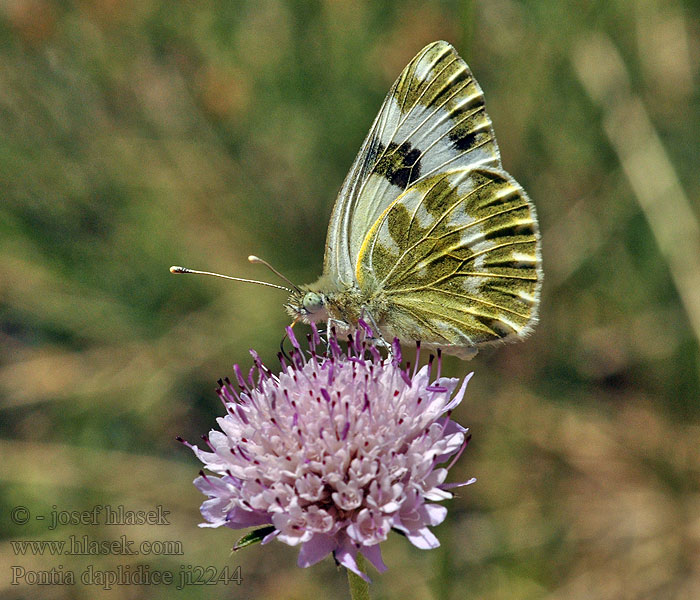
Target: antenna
column 255, row 259
column 177, row 270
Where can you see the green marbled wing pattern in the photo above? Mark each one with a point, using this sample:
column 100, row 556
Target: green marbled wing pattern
column 457, row 257
column 432, row 120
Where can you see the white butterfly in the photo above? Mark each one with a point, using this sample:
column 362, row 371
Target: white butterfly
column 430, row 239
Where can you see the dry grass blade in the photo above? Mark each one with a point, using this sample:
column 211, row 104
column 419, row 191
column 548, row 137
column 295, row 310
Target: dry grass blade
column 646, row 164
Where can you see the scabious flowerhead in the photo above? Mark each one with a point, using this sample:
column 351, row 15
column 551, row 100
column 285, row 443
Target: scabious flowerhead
column 334, row 452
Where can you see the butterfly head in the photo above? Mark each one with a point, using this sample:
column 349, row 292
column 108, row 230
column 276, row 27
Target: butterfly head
column 307, row 306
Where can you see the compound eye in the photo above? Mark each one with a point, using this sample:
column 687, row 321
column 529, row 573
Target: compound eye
column 312, row 302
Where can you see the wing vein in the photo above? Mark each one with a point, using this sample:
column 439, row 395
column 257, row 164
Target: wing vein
column 437, row 222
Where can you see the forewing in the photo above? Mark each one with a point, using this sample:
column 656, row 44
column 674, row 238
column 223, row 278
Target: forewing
column 433, row 119
column 457, row 257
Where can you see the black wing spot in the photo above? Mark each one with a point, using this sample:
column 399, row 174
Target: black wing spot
column 399, row 164
column 464, row 139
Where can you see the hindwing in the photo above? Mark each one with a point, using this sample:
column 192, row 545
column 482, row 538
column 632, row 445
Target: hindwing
column 457, row 257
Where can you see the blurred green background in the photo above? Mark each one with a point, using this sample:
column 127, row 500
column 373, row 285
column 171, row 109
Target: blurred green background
column 139, row 134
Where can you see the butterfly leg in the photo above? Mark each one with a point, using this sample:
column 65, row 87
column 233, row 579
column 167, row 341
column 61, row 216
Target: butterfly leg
column 339, row 326
column 378, row 337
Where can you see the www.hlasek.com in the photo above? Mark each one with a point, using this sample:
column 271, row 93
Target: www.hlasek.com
column 141, row 574
column 87, row 546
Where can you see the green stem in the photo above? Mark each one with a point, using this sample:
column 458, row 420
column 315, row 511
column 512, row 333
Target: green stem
column 359, row 588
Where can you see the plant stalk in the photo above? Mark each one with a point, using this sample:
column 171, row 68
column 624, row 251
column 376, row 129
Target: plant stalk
column 359, row 588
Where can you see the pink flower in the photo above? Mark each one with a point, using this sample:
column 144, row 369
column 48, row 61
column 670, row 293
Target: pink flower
column 334, row 452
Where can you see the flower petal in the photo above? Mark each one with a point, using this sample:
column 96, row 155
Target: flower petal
column 374, row 555
column 346, row 557
column 423, row 539
column 315, row 549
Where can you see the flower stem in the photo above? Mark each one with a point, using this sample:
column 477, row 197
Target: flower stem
column 359, row 588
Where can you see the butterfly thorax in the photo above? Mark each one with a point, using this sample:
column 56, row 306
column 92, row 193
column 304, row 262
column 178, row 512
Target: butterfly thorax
column 327, row 299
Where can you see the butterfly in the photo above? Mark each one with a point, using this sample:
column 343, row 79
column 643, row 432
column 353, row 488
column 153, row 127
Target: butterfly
column 430, row 238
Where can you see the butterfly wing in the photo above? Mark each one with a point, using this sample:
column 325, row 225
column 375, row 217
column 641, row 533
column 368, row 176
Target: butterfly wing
column 432, row 120
column 457, row 257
